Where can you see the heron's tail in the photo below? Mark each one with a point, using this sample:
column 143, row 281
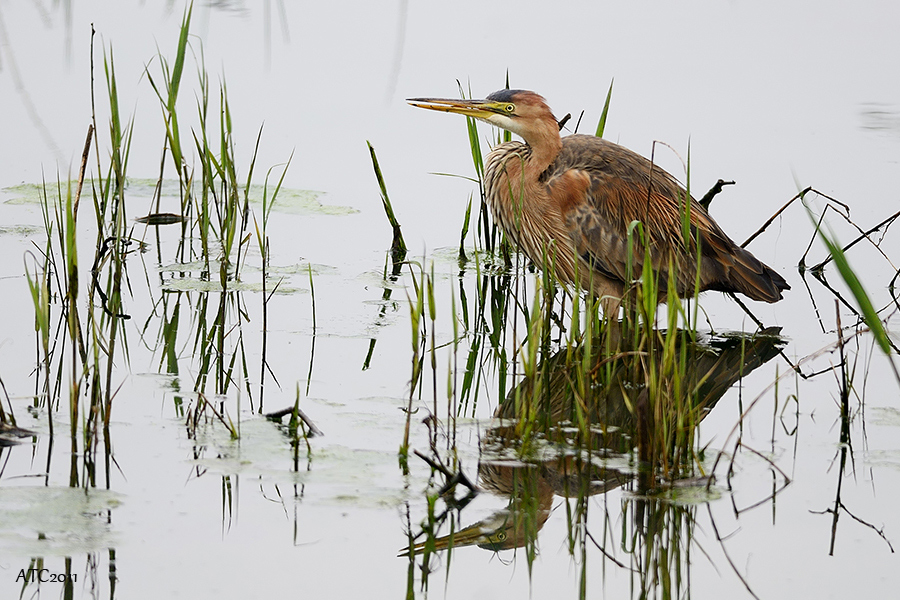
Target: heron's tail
column 751, row 277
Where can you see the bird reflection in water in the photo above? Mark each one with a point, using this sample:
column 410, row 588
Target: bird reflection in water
column 530, row 469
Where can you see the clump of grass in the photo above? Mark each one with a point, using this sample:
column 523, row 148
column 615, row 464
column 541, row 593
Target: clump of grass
column 218, row 223
column 419, row 336
column 79, row 349
column 396, row 254
column 91, row 341
column 262, row 241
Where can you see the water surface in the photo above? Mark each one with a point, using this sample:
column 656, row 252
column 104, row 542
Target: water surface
column 774, row 97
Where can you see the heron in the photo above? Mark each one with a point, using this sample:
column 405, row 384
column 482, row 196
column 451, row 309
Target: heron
column 568, row 203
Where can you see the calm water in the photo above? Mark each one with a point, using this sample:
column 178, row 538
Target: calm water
column 774, row 97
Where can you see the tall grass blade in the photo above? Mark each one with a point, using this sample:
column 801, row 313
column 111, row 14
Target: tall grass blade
column 398, row 246
column 178, row 68
column 601, row 126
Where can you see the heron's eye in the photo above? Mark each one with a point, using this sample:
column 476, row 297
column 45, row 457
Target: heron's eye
column 502, row 535
column 510, row 108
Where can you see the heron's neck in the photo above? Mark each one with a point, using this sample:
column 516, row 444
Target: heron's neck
column 545, row 145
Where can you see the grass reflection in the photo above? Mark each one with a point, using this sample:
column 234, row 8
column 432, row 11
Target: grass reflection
column 529, row 466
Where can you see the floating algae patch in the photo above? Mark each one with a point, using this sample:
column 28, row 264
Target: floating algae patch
column 29, row 193
column 43, row 521
column 686, row 493
column 263, row 452
column 301, row 202
column 301, row 269
column 34, row 193
column 200, row 266
column 20, row 230
column 195, row 277
column 883, row 459
column 197, row 284
column 488, row 263
column 334, row 475
column 289, row 200
column 886, row 416
column 354, row 477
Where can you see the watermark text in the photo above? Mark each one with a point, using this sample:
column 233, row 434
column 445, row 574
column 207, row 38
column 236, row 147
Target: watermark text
column 44, row 576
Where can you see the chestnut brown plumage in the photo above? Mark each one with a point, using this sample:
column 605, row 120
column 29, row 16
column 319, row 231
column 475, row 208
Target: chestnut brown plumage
column 569, row 201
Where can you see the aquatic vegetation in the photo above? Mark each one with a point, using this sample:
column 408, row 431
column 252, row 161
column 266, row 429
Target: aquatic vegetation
column 588, row 406
column 527, row 447
column 203, row 274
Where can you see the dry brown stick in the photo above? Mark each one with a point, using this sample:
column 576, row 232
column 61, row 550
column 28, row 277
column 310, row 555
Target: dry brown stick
column 728, row 556
column 864, row 235
column 812, row 240
column 84, row 159
column 451, row 477
column 313, row 430
column 761, row 327
column 607, row 554
column 713, row 191
column 880, row 532
column 278, row 414
column 773, row 217
column 791, row 201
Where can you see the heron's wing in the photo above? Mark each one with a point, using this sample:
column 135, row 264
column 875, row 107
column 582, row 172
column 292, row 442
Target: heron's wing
column 602, row 188
column 599, row 227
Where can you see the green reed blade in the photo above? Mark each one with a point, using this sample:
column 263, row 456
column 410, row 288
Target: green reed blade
column 601, row 126
column 398, row 246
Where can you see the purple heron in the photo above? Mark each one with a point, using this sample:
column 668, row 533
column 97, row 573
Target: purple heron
column 570, row 201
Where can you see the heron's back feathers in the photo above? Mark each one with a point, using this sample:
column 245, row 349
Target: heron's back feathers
column 588, row 198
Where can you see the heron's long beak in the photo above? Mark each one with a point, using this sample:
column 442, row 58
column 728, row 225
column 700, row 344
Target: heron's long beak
column 491, row 533
column 479, row 109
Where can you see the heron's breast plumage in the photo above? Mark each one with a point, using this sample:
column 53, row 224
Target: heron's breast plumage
column 522, row 206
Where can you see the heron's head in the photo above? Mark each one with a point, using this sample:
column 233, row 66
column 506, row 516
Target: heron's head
column 522, row 112
column 503, row 530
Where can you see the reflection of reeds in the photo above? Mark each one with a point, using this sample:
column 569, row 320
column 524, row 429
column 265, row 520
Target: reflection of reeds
column 416, row 314
column 656, row 362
